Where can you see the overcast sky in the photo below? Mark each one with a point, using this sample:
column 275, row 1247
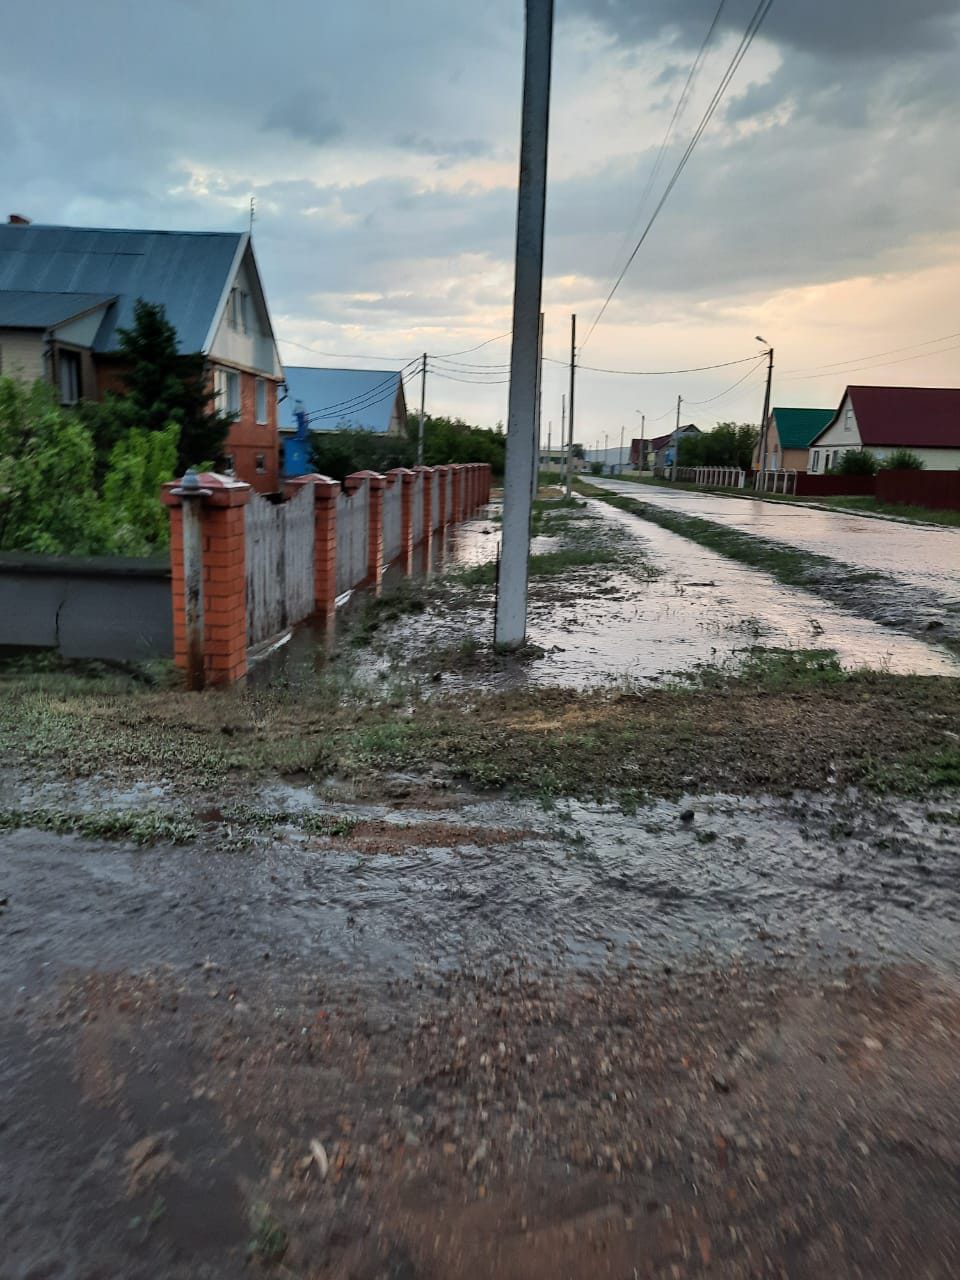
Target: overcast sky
column 379, row 138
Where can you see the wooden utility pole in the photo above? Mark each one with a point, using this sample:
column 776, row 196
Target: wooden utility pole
column 573, row 367
column 676, row 440
column 536, row 425
column 511, row 617
column 423, row 405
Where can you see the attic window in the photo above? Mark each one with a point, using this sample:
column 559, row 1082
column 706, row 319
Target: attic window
column 848, row 420
column 68, row 376
column 237, row 308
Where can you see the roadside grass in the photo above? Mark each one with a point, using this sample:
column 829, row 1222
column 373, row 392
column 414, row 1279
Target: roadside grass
column 788, row 721
column 138, row 826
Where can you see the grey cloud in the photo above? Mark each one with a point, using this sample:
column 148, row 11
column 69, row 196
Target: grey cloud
column 304, row 115
column 459, row 149
column 834, row 29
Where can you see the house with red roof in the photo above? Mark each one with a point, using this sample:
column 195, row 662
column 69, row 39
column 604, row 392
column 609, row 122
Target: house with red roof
column 925, row 420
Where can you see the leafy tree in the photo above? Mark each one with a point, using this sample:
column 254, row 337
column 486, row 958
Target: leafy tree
column 857, row 462
column 453, row 440
column 729, row 444
column 337, row 453
column 902, row 460
column 139, row 464
column 48, row 502
column 49, row 498
column 161, row 386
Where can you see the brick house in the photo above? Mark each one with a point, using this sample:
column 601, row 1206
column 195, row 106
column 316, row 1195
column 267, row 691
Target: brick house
column 64, row 292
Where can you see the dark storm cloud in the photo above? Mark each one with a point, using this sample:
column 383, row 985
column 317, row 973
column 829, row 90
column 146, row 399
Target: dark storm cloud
column 832, row 29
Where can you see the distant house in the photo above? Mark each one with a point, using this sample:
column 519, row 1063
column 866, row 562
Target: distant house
column 337, row 400
column 786, row 442
column 556, row 460
column 662, row 447
column 925, row 420
column 65, row 291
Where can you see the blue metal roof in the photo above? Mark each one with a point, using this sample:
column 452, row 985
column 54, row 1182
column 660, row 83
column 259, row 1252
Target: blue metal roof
column 185, row 271
column 340, row 399
column 29, row 309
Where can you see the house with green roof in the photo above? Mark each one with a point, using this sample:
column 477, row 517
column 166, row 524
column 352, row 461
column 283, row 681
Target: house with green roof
column 785, row 445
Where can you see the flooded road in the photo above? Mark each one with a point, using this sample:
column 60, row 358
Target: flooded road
column 826, row 877
column 925, row 556
column 695, row 608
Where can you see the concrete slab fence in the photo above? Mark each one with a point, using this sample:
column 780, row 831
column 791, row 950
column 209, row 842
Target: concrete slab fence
column 245, row 568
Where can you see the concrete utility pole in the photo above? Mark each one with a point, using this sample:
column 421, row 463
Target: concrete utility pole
column 620, row 457
column 643, row 446
column 573, row 368
column 511, row 619
column 563, row 436
column 536, row 426
column 423, row 404
column 605, row 439
column 676, row 441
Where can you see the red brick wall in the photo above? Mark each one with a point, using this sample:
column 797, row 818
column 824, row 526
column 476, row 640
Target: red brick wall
column 247, row 438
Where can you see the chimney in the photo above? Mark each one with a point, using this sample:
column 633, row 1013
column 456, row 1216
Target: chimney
column 18, row 220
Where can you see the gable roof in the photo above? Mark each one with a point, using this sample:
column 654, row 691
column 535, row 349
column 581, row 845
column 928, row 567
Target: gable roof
column 796, row 428
column 659, row 442
column 31, row 309
column 341, row 399
column 912, row 417
column 189, row 272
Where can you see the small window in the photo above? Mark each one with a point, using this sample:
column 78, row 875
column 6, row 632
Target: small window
column 69, row 376
column 816, row 460
column 238, row 305
column 261, row 402
column 228, row 464
column 848, row 420
column 232, row 392
column 261, row 464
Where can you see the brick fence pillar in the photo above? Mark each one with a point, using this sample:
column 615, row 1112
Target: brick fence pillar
column 405, row 477
column 375, row 484
column 427, row 479
column 457, row 514
column 440, row 479
column 220, row 513
column 325, row 495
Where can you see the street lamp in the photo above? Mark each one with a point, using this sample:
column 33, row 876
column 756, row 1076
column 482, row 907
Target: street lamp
column 643, row 447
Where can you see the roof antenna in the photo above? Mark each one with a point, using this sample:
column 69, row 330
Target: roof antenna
column 253, row 211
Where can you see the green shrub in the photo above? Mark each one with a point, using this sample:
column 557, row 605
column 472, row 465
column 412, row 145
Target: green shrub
column 902, row 460
column 857, row 462
column 596, row 468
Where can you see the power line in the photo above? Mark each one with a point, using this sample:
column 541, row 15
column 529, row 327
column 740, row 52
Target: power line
column 338, row 355
column 468, row 350
column 655, row 373
column 739, row 382
column 877, row 354
column 471, row 382
column 923, row 355
column 363, row 400
column 667, row 137
column 760, row 13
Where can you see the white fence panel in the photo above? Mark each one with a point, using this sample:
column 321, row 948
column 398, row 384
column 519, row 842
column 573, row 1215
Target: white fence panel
column 417, row 507
column 392, row 520
column 353, row 538
column 279, row 564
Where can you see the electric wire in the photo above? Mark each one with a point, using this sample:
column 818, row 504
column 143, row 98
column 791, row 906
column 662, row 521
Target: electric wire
column 739, row 382
column 753, row 26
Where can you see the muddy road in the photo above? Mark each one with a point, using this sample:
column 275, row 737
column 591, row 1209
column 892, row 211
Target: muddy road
column 927, row 557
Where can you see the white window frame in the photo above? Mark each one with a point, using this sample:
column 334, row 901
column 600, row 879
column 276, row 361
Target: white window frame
column 815, row 460
column 69, row 360
column 231, row 382
column 260, row 403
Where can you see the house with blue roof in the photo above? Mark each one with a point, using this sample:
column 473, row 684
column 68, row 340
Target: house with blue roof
column 65, row 291
column 337, row 400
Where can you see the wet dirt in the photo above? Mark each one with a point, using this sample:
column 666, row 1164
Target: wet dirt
column 700, row 608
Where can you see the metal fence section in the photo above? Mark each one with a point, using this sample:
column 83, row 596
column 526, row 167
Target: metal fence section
column 353, row 538
column 392, row 519
column 449, row 506
column 775, row 482
column 435, row 501
column 279, row 564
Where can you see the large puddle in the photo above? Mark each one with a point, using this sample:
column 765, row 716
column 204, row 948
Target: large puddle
column 925, row 555
column 702, row 609
column 838, row 878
